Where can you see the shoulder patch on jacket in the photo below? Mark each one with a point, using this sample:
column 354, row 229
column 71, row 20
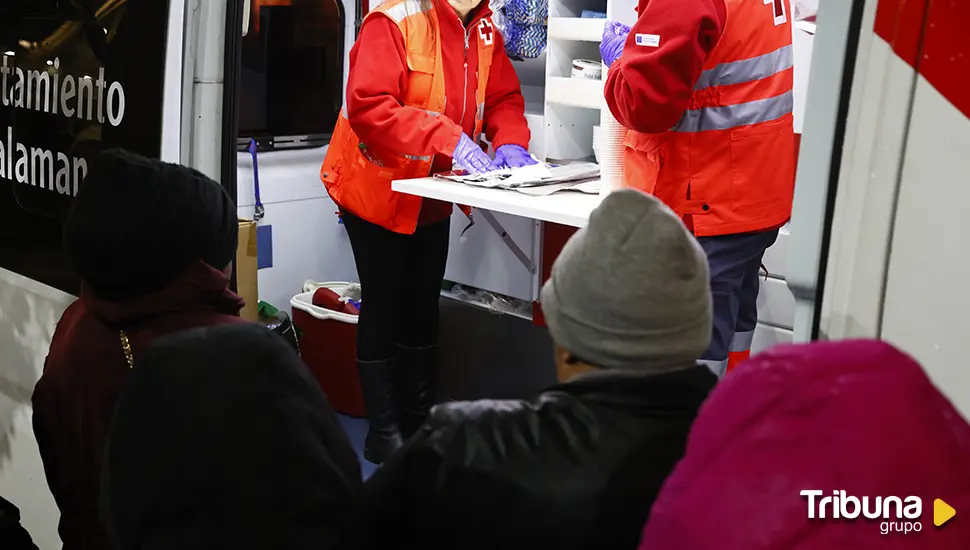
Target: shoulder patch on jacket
column 648, row 40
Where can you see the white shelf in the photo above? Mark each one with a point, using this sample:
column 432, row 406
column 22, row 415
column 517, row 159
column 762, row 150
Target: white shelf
column 576, row 28
column 566, row 207
column 804, row 26
column 575, row 92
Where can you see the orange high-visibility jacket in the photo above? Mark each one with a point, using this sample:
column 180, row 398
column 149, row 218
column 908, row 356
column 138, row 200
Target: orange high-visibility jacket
column 728, row 166
column 358, row 177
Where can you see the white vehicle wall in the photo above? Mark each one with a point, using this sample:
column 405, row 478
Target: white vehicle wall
column 899, row 240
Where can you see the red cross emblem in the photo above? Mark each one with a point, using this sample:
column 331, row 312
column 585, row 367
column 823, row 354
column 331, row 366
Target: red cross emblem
column 485, row 31
column 778, row 6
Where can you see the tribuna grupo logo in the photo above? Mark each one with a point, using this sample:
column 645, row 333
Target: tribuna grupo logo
column 895, row 514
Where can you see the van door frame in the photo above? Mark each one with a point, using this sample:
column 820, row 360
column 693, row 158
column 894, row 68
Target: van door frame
column 820, row 159
column 235, row 14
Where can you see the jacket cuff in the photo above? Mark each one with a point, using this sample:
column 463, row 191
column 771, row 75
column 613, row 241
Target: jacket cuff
column 509, row 140
column 447, row 140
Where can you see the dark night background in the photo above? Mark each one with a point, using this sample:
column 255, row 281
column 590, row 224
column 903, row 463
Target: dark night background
column 127, row 38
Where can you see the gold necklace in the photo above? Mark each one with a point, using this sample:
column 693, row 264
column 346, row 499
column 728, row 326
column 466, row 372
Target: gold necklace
column 126, row 347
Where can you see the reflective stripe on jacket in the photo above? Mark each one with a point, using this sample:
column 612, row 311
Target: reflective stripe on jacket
column 728, row 166
column 358, row 175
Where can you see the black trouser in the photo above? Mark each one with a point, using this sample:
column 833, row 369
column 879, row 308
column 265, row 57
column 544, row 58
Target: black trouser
column 400, row 279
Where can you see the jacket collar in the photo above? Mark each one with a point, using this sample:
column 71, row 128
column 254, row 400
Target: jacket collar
column 676, row 390
column 197, row 287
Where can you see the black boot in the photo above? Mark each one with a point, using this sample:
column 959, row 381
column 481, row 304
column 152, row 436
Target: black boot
column 377, row 385
column 415, row 383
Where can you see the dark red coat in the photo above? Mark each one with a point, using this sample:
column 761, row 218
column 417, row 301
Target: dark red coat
column 84, row 373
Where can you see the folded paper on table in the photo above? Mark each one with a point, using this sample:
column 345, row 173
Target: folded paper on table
column 505, row 178
column 590, row 187
column 537, row 179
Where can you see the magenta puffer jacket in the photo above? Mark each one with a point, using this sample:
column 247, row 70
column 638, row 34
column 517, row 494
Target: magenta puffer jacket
column 838, row 428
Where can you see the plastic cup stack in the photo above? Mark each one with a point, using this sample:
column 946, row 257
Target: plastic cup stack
column 608, row 148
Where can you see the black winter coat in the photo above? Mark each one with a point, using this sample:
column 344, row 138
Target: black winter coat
column 578, row 467
column 223, row 440
column 13, row 536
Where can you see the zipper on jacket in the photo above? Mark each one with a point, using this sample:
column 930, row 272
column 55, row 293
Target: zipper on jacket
column 464, row 89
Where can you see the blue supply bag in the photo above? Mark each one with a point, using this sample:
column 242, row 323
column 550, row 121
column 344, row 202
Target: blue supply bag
column 526, row 12
column 523, row 26
column 526, row 42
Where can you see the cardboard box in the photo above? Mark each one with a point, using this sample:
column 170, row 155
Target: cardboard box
column 247, row 264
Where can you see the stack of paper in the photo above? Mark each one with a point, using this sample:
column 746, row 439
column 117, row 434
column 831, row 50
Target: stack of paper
column 537, row 179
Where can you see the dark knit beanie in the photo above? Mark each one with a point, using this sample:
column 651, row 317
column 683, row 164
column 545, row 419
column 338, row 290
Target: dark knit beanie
column 137, row 222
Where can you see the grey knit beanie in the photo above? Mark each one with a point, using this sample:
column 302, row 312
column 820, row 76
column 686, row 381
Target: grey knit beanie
column 632, row 289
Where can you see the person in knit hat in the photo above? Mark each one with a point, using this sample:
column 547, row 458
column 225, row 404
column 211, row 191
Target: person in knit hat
column 630, row 291
column 629, row 309
column 137, row 222
column 153, row 244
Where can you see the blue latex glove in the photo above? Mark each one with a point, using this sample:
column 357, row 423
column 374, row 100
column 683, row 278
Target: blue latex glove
column 512, row 156
column 614, row 36
column 470, row 156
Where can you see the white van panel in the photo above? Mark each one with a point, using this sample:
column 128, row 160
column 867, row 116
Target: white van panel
column 28, row 314
column 927, row 297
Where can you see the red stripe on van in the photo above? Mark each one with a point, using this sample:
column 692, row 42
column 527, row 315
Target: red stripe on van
column 946, row 52
column 900, row 23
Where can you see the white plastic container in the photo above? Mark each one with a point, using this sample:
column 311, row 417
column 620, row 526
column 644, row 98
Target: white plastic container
column 304, row 303
column 587, row 70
